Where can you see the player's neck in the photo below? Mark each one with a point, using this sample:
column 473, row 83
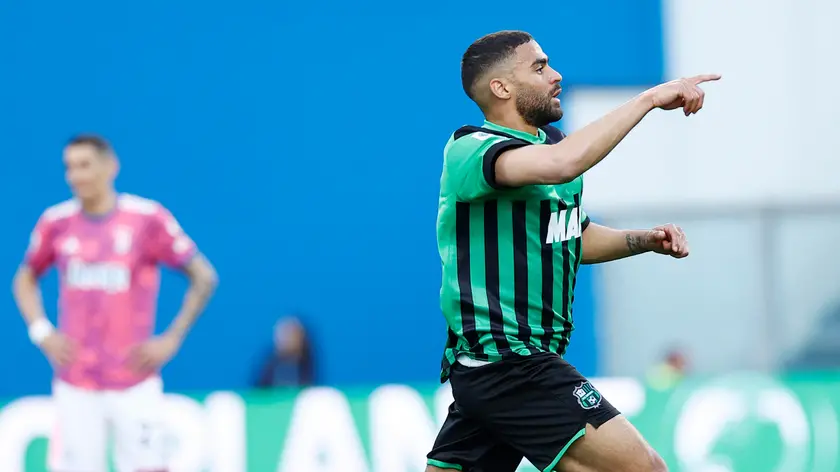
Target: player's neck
column 513, row 122
column 100, row 205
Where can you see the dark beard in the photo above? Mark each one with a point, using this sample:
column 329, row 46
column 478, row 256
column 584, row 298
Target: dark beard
column 537, row 110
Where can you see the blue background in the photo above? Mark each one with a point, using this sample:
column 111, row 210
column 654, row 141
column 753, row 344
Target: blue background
column 300, row 146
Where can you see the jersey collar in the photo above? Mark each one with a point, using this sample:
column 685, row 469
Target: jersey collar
column 539, row 138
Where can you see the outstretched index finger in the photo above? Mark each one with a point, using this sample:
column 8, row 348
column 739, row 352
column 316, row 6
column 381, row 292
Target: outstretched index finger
column 699, row 79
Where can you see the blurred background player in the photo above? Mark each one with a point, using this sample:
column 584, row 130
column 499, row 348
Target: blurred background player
column 107, row 248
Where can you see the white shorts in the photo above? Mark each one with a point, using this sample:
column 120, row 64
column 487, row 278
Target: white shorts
column 88, row 419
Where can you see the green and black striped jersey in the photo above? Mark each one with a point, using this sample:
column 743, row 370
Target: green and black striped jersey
column 509, row 255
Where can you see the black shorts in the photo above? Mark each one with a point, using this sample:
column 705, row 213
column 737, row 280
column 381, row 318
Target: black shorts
column 533, row 407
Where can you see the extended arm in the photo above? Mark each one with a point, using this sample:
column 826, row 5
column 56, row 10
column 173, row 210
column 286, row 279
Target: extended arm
column 565, row 161
column 603, row 244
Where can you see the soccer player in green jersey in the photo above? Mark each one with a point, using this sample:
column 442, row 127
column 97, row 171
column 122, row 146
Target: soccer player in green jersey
column 512, row 233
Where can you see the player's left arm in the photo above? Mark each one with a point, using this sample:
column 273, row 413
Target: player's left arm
column 603, row 244
column 169, row 245
column 203, row 281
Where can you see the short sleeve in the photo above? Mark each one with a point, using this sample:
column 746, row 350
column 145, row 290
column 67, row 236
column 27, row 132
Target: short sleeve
column 470, row 163
column 584, row 219
column 40, row 254
column 167, row 243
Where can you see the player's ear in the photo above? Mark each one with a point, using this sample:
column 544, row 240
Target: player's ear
column 115, row 167
column 500, row 88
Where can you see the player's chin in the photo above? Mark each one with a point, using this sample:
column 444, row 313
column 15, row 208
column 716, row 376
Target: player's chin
column 81, row 195
column 555, row 113
column 82, row 191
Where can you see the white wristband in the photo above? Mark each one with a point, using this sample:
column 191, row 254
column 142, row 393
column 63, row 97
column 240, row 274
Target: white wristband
column 39, row 330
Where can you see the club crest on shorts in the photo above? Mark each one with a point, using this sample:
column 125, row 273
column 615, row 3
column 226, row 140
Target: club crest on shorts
column 587, row 396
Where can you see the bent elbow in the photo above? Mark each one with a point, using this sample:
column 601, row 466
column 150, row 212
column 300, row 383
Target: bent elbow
column 210, row 278
column 202, row 274
column 213, row 279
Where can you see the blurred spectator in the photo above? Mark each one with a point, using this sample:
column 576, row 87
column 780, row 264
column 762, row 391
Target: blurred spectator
column 289, row 363
column 668, row 373
column 820, row 350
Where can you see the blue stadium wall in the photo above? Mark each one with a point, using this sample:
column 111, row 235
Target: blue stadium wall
column 300, row 145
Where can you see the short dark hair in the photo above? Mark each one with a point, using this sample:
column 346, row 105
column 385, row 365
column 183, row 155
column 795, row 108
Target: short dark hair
column 486, row 52
column 94, row 140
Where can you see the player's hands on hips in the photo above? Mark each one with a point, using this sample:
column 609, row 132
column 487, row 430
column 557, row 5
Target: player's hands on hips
column 154, row 353
column 685, row 93
column 668, row 239
column 59, row 350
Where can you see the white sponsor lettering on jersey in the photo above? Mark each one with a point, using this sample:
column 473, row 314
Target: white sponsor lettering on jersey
column 558, row 230
column 111, row 277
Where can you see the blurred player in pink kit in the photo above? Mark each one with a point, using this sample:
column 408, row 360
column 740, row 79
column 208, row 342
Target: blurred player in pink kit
column 107, row 248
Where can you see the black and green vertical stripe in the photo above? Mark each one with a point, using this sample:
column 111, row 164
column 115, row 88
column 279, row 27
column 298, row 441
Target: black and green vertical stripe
column 516, row 291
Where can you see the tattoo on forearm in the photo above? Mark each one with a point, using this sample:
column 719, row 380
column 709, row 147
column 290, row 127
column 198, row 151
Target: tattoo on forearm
column 634, row 244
